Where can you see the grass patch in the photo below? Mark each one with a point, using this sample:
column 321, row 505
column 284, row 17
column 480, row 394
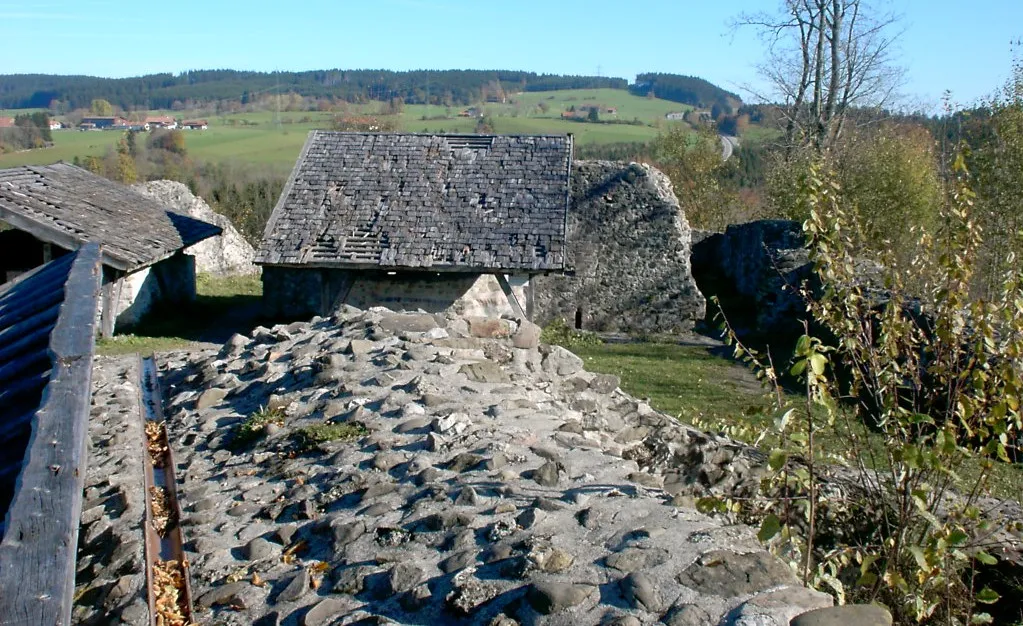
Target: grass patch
column 684, row 381
column 254, row 427
column 310, row 437
column 223, row 305
column 141, row 344
column 699, row 386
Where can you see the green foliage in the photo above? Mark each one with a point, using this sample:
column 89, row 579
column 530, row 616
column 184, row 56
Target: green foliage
column 101, row 108
column 936, row 375
column 692, row 160
column 172, row 141
column 997, row 162
column 559, row 333
column 889, row 177
column 310, row 437
column 253, row 428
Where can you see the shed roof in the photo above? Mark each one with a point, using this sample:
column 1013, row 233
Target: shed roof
column 481, row 203
column 68, row 206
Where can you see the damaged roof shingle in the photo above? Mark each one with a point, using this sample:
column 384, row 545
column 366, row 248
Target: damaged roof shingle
column 424, row 202
column 68, row 206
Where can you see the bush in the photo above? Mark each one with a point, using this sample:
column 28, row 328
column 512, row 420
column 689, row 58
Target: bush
column 931, row 404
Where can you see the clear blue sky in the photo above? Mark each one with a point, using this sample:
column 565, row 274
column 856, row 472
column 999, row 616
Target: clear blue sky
column 947, row 44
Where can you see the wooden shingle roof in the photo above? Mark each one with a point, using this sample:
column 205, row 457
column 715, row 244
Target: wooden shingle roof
column 424, row 202
column 69, row 206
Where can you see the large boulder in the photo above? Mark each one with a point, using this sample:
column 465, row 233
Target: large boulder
column 226, row 254
column 629, row 245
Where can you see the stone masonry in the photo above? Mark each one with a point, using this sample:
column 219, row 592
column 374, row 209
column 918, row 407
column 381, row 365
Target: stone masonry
column 629, row 245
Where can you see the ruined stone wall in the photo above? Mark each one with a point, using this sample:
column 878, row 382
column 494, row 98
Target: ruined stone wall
column 629, row 243
column 169, row 281
column 756, row 270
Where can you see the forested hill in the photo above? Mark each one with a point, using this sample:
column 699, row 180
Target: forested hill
column 687, row 90
column 444, row 87
column 160, row 91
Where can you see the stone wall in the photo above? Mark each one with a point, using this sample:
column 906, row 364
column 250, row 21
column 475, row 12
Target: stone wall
column 297, row 293
column 169, row 281
column 756, row 270
column 629, row 244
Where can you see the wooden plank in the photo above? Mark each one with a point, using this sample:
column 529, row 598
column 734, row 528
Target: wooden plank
column 508, row 293
column 37, row 554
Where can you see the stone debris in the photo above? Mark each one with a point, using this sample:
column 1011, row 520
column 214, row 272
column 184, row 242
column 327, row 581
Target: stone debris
column 461, row 498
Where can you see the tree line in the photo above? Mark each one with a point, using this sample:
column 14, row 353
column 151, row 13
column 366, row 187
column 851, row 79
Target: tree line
column 169, row 91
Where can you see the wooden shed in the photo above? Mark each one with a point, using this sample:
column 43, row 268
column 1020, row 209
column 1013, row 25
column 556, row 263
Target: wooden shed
column 417, row 221
column 48, row 211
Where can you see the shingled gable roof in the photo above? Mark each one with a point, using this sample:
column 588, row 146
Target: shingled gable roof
column 479, row 203
column 68, row 206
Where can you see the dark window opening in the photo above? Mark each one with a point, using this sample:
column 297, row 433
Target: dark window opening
column 579, row 319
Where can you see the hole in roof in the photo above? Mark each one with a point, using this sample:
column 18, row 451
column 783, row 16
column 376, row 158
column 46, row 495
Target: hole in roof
column 472, row 142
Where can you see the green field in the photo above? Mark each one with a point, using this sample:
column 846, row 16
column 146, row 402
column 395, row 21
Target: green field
column 263, row 137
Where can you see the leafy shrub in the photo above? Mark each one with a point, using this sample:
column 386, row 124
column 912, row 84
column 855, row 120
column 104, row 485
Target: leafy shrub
column 253, row 428
column 559, row 333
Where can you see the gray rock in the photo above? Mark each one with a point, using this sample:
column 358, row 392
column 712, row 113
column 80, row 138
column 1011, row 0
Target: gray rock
column 641, row 592
column 527, row 337
column 297, row 588
column 848, row 615
column 728, row 574
column 324, row 611
column 605, row 383
column 634, row 559
column 687, row 615
column 547, row 474
column 561, row 362
column 259, row 549
column 780, row 605
column 222, row 594
column 351, row 580
column 485, row 372
column 467, row 497
column 386, row 461
column 469, row 593
column 548, row 598
column 403, row 577
column 209, row 398
column 457, row 561
column 344, row 533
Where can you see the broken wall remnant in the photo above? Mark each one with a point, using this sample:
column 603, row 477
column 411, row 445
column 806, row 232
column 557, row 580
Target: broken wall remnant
column 629, row 245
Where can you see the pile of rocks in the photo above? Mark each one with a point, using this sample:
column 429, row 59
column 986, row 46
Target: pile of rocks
column 484, row 479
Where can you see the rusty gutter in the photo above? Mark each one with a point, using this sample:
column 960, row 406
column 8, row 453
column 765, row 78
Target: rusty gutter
column 165, row 557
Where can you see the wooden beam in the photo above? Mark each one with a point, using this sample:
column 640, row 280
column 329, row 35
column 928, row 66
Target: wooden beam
column 508, row 293
column 39, row 547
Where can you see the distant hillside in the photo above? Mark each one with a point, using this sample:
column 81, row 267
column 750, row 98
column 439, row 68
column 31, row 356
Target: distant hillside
column 166, row 91
column 687, row 90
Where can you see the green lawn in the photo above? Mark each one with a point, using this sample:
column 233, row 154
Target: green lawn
column 269, row 137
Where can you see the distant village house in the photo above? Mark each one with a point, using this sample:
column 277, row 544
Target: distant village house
column 195, row 125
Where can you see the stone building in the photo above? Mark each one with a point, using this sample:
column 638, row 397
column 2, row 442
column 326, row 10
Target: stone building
column 48, row 211
column 629, row 247
column 415, row 221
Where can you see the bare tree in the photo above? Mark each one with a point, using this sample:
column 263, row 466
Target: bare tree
column 826, row 58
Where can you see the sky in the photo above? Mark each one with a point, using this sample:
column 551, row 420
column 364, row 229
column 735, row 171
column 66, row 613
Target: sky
column 963, row 47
